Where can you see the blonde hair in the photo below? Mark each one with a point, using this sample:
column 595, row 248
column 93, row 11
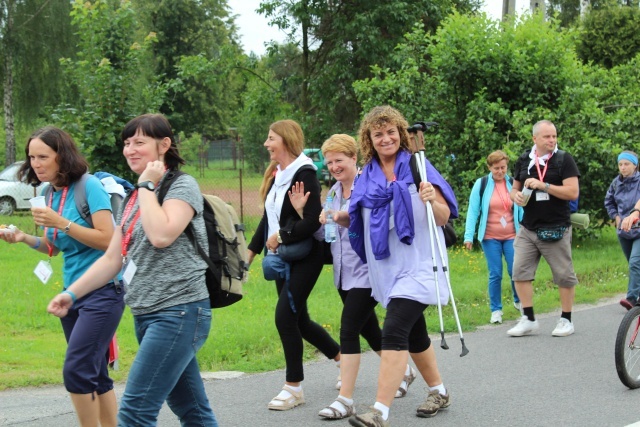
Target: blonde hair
column 497, row 156
column 340, row 143
column 376, row 118
column 292, row 139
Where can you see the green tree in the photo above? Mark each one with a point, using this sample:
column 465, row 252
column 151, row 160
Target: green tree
column 339, row 41
column 34, row 34
column 610, row 36
column 197, row 44
column 110, row 76
column 487, row 83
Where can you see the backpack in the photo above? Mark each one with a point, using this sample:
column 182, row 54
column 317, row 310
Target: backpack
column 227, row 256
column 80, row 194
column 450, row 236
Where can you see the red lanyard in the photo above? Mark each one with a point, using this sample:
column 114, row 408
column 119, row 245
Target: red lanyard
column 504, row 203
column 544, row 172
column 63, row 199
column 126, row 238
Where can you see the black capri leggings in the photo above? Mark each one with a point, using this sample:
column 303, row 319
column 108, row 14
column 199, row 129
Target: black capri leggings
column 404, row 327
column 358, row 318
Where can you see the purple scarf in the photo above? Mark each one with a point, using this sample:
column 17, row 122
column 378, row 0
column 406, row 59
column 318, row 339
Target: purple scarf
column 373, row 193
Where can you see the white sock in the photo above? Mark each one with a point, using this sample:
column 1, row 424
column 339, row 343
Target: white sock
column 382, row 408
column 338, row 364
column 440, row 388
column 408, row 370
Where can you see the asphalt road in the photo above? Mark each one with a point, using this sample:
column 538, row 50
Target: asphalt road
column 537, row 380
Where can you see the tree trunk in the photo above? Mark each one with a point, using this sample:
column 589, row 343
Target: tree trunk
column 508, row 9
column 10, row 137
column 537, row 6
column 305, row 60
column 584, row 7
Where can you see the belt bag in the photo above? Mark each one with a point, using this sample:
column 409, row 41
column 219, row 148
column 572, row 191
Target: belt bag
column 295, row 251
column 551, row 234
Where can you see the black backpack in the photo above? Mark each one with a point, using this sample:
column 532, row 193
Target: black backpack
column 227, row 256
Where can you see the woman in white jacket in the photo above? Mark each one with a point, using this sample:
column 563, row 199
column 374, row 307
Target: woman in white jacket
column 499, row 222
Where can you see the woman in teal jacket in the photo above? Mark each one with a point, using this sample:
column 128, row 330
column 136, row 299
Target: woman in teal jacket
column 499, row 223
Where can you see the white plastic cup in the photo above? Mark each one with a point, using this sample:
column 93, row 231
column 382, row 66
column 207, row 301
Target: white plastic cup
column 526, row 195
column 38, row 202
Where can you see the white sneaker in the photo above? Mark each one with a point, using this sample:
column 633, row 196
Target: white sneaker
column 524, row 327
column 496, row 316
column 564, row 328
column 518, row 306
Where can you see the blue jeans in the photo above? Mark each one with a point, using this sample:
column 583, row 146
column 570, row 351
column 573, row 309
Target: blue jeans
column 165, row 368
column 631, row 250
column 493, row 251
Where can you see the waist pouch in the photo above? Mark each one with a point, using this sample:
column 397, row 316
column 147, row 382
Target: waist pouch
column 551, row 234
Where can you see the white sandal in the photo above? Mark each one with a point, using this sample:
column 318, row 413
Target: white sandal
column 406, row 382
column 296, row 399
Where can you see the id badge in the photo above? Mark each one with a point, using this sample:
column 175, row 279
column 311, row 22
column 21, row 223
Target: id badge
column 541, row 197
column 128, row 271
column 43, row 271
column 503, row 222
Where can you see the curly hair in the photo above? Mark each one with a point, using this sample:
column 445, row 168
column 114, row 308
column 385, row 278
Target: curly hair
column 376, row 118
column 496, row 157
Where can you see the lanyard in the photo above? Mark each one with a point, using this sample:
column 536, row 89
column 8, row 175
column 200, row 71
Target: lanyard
column 544, row 172
column 63, row 199
column 126, row 238
column 502, row 199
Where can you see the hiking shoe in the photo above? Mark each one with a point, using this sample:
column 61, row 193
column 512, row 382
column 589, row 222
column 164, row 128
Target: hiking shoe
column 406, row 382
column 496, row 316
column 564, row 328
column 626, row 303
column 524, row 327
column 370, row 419
column 435, row 401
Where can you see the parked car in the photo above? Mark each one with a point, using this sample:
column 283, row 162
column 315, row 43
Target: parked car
column 15, row 195
column 315, row 154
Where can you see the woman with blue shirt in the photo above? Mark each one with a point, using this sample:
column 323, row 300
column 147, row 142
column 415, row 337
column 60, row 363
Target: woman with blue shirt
column 499, row 224
column 53, row 157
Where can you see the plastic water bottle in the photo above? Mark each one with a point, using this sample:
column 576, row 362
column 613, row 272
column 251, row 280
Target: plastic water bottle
column 330, row 230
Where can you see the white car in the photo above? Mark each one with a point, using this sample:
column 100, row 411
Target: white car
column 15, row 195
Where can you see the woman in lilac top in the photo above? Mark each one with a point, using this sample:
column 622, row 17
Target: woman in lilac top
column 350, row 276
column 388, row 229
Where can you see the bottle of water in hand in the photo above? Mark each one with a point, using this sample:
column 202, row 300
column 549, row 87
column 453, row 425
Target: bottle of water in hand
column 330, row 228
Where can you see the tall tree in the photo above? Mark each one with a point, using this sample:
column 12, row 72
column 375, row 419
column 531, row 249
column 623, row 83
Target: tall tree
column 339, row 41
column 204, row 31
column 34, row 34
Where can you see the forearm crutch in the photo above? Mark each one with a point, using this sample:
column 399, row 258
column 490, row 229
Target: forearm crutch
column 418, row 139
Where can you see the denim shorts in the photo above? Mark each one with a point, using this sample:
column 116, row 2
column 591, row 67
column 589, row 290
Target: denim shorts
column 88, row 328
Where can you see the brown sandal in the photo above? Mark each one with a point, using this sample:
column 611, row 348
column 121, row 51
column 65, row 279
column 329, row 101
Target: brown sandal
column 406, row 382
column 336, row 414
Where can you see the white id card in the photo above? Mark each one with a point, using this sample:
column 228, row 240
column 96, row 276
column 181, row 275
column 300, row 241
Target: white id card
column 43, row 271
column 128, row 271
column 503, row 222
column 541, row 197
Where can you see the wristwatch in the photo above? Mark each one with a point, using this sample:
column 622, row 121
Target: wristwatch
column 546, row 187
column 634, row 210
column 147, row 185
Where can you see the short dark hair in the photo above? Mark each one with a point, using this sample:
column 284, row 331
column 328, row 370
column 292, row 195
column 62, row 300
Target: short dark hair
column 158, row 127
column 71, row 164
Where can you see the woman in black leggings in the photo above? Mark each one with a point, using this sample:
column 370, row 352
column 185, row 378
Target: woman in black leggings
column 281, row 224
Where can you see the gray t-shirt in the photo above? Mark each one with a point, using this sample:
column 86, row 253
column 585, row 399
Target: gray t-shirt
column 169, row 276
